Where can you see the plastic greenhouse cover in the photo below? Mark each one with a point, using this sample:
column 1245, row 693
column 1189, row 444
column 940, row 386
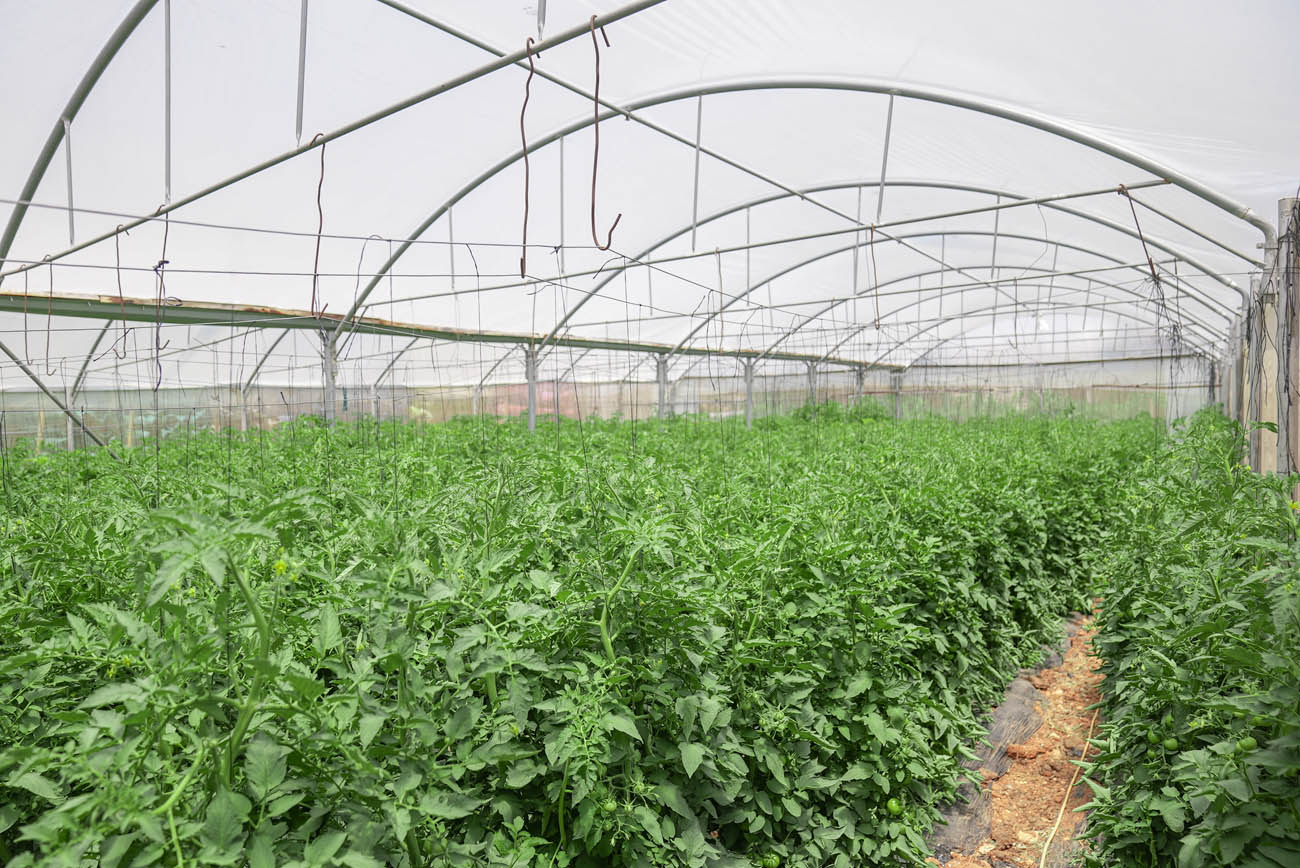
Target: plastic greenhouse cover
column 1199, row 87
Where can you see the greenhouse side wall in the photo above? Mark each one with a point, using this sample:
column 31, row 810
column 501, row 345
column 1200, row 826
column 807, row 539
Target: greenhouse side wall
column 1162, row 388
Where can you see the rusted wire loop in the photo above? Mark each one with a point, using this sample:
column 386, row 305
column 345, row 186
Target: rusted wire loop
column 528, row 85
column 320, row 228
column 595, row 153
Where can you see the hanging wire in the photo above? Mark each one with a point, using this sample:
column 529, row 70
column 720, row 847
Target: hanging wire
column 595, row 153
column 523, row 137
column 159, row 297
column 320, row 227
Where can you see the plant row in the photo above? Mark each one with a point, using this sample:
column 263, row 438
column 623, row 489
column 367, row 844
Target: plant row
column 1199, row 759
column 680, row 644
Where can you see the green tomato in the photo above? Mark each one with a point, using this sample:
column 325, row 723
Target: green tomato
column 770, row 860
column 894, row 806
column 1153, row 737
column 1171, row 743
column 1247, row 744
column 1152, row 753
column 608, row 806
column 1167, row 721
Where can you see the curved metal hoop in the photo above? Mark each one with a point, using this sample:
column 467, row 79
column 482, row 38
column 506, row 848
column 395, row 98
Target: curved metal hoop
column 989, row 107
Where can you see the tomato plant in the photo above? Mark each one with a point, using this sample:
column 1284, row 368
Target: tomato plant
column 1200, row 628
column 620, row 644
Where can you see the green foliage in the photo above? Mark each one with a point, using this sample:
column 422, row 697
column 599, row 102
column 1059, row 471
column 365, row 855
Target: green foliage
column 615, row 644
column 1199, row 760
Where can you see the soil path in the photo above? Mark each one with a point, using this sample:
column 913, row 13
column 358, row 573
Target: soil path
column 1040, row 727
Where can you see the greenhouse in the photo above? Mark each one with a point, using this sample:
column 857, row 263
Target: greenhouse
column 665, row 433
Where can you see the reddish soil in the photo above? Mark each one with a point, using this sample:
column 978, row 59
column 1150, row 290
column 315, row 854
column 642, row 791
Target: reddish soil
column 1025, row 800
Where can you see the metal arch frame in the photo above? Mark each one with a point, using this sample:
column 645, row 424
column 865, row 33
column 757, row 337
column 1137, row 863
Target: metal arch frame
column 88, row 81
column 978, row 312
column 965, row 314
column 961, row 333
column 1016, row 200
column 835, row 303
column 1209, row 335
column 1208, row 332
column 1212, row 333
column 1102, row 221
column 944, row 97
column 322, row 139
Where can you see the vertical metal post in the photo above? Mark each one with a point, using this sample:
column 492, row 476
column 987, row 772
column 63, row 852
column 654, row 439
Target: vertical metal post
column 884, row 160
column 661, row 376
column 859, row 378
column 530, row 371
column 302, row 69
column 67, row 152
column 812, row 383
column 329, row 370
column 695, row 196
column 167, row 100
column 374, row 396
column 896, row 386
column 749, row 393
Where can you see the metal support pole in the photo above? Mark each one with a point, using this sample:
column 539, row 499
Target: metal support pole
column 329, row 369
column 812, row 383
column 749, row 393
column 67, row 153
column 530, row 371
column 859, row 378
column 884, row 160
column 895, row 386
column 302, row 69
column 695, row 195
column 661, row 376
column 167, row 100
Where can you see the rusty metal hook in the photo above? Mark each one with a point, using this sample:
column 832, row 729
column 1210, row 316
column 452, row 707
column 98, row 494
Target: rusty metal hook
column 595, row 154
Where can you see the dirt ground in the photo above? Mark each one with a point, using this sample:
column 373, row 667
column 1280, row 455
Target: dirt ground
column 1024, row 800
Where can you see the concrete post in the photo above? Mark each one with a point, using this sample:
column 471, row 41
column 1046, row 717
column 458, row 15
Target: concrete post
column 661, row 377
column 530, row 371
column 749, row 393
